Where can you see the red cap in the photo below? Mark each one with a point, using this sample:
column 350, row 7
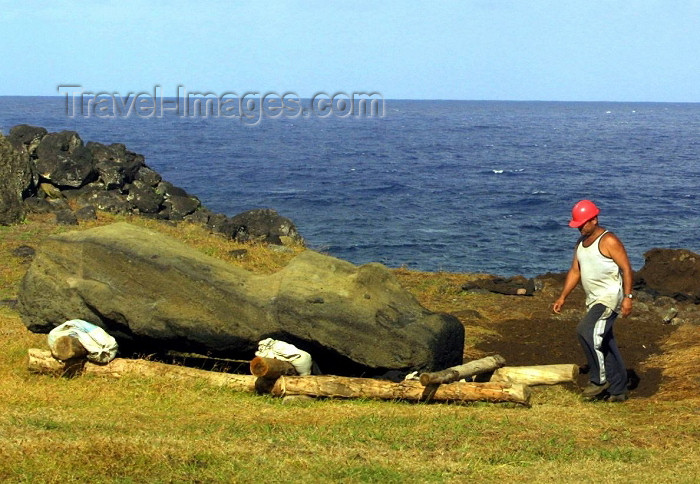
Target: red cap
column 582, row 212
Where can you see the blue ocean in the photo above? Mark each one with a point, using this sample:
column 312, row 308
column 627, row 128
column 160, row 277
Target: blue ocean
column 454, row 186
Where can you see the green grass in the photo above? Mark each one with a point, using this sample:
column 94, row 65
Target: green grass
column 136, row 429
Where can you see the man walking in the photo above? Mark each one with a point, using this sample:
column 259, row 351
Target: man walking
column 601, row 264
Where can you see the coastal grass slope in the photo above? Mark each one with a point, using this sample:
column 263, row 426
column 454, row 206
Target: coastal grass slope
column 137, row 429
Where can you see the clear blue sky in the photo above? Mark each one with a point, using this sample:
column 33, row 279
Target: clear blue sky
column 589, row 50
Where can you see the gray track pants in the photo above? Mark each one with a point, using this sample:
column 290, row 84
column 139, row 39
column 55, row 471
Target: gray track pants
column 595, row 333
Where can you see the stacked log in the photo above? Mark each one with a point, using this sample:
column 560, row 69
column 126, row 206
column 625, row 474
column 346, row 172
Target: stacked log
column 461, row 372
column 279, row 378
column 410, row 390
column 525, row 375
column 41, row 361
column 537, row 375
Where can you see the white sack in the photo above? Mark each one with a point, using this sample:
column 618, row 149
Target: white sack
column 101, row 347
column 271, row 348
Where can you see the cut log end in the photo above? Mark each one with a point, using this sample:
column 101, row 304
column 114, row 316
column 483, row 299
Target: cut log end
column 271, row 367
column 68, row 348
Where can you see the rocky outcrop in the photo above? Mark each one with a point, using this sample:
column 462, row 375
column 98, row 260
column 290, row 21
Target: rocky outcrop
column 114, row 164
column 262, row 225
column 671, row 272
column 153, row 293
column 16, row 177
column 60, row 167
column 63, row 160
column 26, row 138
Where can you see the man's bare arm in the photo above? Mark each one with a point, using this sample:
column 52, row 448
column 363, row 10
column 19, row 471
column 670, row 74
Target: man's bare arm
column 612, row 247
column 572, row 278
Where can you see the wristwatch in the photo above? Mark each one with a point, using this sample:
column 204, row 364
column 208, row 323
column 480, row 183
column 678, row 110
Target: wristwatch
column 629, row 296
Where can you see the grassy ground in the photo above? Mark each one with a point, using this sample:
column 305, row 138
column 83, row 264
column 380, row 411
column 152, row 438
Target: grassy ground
column 152, row 430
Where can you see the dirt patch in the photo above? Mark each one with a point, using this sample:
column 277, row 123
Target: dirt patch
column 551, row 341
column 525, row 331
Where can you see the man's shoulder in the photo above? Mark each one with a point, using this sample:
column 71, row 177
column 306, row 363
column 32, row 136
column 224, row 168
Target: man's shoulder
column 609, row 237
column 609, row 242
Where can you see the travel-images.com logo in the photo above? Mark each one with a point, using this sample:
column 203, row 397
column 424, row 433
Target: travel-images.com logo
column 250, row 107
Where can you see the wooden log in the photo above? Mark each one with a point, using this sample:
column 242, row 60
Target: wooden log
column 348, row 387
column 41, row 361
column 67, row 348
column 271, row 367
column 537, row 375
column 455, row 373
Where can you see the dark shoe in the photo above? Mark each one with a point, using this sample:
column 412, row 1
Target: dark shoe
column 618, row 398
column 593, row 390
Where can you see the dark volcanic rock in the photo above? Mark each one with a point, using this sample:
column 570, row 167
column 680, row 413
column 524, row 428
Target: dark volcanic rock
column 115, row 165
column 113, row 179
column 148, row 176
column 11, row 209
column 66, row 217
column 24, row 252
column 26, row 138
column 62, row 159
column 178, row 206
column 37, row 205
column 87, row 212
column 200, row 216
column 671, row 272
column 107, row 200
column 153, row 293
column 84, row 192
column 15, row 180
column 220, row 223
column 263, row 225
column 169, row 190
column 144, row 197
column 512, row 286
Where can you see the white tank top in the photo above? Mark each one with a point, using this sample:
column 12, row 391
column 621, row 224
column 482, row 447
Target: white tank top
column 600, row 276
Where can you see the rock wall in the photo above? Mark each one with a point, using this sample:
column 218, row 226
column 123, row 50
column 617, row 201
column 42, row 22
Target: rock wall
column 42, row 171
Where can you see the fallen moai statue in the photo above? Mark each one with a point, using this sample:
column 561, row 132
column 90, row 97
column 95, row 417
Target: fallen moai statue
column 153, row 293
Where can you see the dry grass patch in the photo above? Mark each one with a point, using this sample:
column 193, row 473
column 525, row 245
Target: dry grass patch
column 679, row 362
